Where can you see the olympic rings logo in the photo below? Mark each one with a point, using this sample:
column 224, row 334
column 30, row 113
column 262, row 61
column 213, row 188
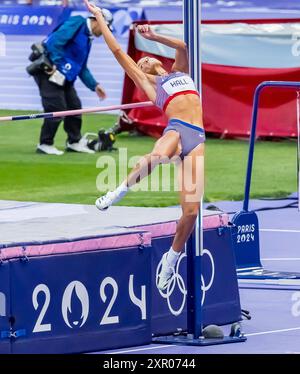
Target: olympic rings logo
column 205, row 288
column 177, row 280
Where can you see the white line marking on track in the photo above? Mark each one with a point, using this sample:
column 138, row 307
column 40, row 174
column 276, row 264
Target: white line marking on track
column 139, row 349
column 281, row 259
column 166, row 346
column 280, row 230
column 293, row 353
column 272, row 331
column 277, row 282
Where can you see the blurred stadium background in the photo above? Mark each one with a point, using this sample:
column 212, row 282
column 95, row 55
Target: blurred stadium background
column 72, row 179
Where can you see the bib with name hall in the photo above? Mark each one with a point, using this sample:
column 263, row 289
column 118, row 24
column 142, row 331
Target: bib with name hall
column 179, row 84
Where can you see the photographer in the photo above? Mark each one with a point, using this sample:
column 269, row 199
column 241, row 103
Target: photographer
column 63, row 58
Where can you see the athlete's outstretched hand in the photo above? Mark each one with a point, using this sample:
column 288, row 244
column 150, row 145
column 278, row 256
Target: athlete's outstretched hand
column 146, row 32
column 92, row 7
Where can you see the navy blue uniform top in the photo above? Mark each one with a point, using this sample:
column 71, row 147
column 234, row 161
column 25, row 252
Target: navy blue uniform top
column 68, row 47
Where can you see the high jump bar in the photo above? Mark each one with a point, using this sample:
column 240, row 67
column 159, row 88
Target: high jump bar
column 77, row 112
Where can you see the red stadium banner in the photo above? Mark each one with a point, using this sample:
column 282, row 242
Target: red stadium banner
column 237, row 57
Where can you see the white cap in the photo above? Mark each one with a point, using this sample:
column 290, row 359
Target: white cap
column 107, row 14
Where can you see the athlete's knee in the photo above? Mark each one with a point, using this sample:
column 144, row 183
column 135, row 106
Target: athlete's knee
column 146, row 159
column 160, row 157
column 191, row 210
column 145, row 164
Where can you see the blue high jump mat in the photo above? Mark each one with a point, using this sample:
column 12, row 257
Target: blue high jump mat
column 74, row 279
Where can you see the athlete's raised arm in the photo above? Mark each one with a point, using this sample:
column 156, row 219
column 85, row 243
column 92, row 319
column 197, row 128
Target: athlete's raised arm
column 140, row 79
column 181, row 58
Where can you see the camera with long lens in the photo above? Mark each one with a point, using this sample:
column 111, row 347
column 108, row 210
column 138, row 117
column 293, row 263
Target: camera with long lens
column 40, row 61
column 37, row 51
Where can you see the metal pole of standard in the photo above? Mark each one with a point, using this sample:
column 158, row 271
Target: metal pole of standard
column 192, row 35
column 259, row 89
column 298, row 147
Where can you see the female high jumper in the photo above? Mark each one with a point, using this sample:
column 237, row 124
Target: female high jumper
column 175, row 93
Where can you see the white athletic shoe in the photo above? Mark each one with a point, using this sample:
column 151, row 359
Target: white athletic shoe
column 105, row 201
column 81, row 147
column 165, row 274
column 48, row 150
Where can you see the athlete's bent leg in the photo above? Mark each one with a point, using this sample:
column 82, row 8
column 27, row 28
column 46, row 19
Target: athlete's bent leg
column 165, row 148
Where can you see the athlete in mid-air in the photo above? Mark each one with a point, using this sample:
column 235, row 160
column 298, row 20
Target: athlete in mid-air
column 175, row 93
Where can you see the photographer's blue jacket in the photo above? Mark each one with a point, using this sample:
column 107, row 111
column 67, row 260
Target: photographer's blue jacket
column 68, row 48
